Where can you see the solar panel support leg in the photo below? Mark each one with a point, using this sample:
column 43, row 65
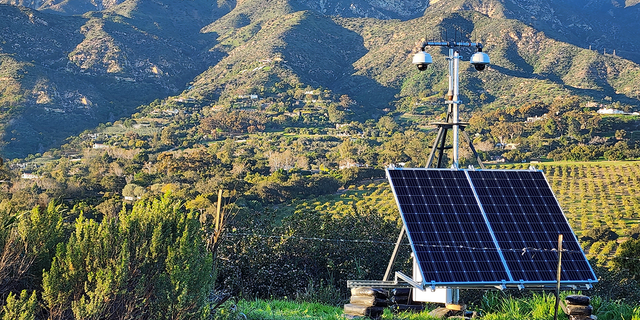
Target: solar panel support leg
column 393, row 256
column 455, row 296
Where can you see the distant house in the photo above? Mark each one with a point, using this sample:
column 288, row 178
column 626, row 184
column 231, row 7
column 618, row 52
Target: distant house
column 616, row 111
column 610, row 111
column 29, row 176
column 250, row 96
column 100, row 146
column 54, row 110
column 350, row 164
column 536, row 118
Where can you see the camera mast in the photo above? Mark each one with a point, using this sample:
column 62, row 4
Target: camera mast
column 479, row 60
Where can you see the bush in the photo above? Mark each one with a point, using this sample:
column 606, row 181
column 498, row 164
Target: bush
column 602, row 233
column 627, row 258
column 150, row 262
column 27, row 244
column 615, row 285
column 24, row 307
column 283, row 258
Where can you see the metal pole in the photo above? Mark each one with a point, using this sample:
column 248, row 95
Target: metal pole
column 450, row 92
column 555, row 315
column 456, row 118
column 393, row 256
column 218, row 210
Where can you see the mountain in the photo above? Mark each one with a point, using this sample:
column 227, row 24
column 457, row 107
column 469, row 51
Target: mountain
column 71, row 65
column 69, row 7
column 369, row 59
column 88, row 69
column 601, row 25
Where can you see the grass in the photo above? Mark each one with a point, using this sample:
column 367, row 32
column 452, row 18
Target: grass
column 291, row 310
column 285, row 310
column 495, row 306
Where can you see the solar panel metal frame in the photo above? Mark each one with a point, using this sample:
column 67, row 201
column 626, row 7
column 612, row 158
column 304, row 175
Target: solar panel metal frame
column 467, row 251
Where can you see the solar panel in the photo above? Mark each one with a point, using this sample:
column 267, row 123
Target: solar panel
column 486, row 227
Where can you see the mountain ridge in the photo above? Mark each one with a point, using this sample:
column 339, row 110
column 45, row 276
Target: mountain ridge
column 100, row 66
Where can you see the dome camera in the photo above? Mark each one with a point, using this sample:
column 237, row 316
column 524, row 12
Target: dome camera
column 479, row 60
column 422, row 60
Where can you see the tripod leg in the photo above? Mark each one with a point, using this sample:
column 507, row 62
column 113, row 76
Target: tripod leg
column 443, row 139
column 473, row 149
column 434, row 148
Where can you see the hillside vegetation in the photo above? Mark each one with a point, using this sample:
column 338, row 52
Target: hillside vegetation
column 98, row 67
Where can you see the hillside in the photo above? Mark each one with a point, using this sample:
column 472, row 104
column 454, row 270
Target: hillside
column 82, row 71
column 100, row 66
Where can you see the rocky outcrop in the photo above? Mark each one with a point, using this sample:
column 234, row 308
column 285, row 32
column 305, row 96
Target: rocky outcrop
column 380, row 9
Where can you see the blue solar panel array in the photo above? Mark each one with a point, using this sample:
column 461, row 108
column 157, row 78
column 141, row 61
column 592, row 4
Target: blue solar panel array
column 486, row 227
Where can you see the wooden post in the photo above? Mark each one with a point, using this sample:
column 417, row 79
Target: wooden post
column 218, row 219
column 555, row 315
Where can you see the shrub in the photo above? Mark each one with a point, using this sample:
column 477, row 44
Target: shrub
column 150, row 262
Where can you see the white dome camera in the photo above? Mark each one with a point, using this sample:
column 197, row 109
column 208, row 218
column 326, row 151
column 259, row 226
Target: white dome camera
column 422, row 60
column 479, row 60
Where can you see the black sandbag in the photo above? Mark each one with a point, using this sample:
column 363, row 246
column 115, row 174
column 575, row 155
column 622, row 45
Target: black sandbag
column 574, row 310
column 578, row 300
column 399, row 299
column 400, row 291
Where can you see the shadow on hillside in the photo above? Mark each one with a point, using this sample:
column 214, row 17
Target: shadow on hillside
column 322, row 53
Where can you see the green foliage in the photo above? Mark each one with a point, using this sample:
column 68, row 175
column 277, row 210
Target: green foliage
column 148, row 262
column 27, row 244
column 281, row 186
column 615, row 284
column 288, row 310
column 614, row 309
column 235, row 122
column 282, row 259
column 602, row 233
column 627, row 257
column 24, row 307
column 321, row 292
column 497, row 306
